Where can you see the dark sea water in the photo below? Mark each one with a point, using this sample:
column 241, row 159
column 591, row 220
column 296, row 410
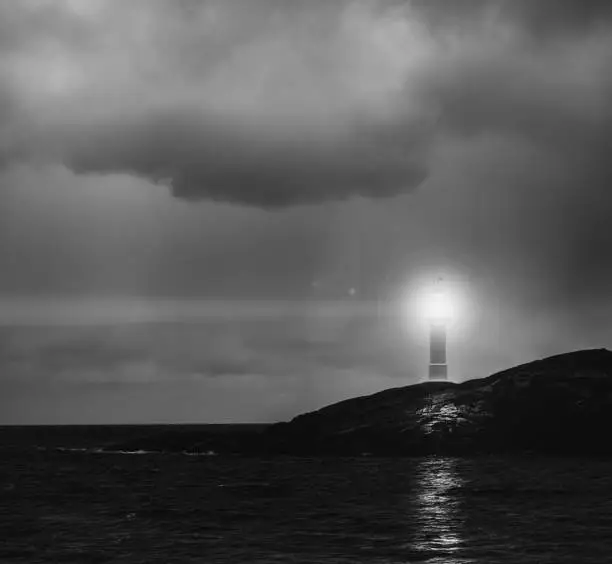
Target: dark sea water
column 87, row 506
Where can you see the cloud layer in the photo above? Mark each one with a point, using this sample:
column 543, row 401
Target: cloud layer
column 272, row 103
column 260, row 364
column 269, row 105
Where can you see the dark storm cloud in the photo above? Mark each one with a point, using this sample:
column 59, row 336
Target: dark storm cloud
column 275, row 103
column 551, row 17
column 540, row 19
column 271, row 106
column 206, row 159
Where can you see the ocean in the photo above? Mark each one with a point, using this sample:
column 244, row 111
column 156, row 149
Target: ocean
column 64, row 500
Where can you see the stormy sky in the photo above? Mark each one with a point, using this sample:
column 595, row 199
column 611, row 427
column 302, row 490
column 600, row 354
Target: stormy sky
column 217, row 210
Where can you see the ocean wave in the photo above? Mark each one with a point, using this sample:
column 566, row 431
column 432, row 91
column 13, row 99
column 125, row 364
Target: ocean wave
column 136, row 452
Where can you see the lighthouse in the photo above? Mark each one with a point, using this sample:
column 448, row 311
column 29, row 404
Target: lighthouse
column 438, row 312
column 438, row 368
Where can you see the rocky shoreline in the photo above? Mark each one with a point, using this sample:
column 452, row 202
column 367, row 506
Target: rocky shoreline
column 558, row 405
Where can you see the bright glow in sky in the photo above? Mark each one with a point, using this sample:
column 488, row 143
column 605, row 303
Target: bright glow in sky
column 428, row 298
column 439, row 305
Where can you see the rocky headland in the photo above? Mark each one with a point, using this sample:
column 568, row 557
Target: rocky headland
column 557, row 405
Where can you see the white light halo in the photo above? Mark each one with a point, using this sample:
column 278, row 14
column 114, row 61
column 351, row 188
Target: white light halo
column 420, row 306
column 439, row 305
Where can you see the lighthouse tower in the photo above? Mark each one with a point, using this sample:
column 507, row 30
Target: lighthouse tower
column 438, row 367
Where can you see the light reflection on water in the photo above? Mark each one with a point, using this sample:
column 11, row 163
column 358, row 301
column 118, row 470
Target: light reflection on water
column 437, row 513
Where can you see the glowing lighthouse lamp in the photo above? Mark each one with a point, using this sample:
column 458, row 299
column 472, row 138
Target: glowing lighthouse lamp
column 439, row 309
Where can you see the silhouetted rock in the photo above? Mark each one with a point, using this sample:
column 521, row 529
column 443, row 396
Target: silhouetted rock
column 194, row 439
column 560, row 405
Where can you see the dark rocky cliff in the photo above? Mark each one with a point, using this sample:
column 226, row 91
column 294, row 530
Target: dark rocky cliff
column 558, row 405
column 561, row 405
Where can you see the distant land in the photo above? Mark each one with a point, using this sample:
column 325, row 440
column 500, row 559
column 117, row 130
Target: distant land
column 558, row 405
